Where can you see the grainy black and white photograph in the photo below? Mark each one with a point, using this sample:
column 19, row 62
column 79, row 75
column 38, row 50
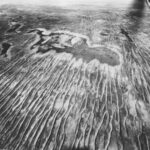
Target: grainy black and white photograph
column 75, row 75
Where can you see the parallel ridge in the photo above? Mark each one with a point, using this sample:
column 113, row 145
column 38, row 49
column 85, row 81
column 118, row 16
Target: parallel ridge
column 56, row 101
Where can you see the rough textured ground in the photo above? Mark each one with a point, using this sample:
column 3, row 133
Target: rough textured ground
column 74, row 78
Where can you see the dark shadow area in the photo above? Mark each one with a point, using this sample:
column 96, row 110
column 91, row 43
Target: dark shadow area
column 136, row 15
column 134, row 19
column 5, row 47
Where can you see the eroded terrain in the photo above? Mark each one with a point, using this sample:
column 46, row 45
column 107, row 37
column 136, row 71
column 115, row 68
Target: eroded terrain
column 68, row 83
